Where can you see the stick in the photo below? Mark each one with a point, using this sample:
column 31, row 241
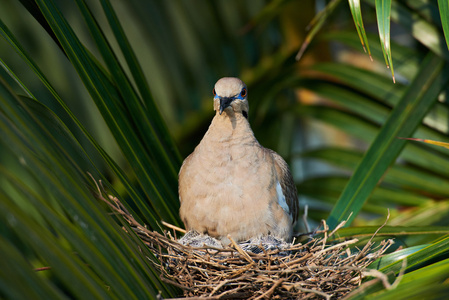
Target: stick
column 173, row 227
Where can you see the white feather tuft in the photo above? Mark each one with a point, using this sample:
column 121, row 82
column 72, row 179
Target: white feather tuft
column 281, row 198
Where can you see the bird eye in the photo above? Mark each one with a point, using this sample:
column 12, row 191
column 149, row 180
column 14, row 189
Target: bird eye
column 243, row 93
column 213, row 92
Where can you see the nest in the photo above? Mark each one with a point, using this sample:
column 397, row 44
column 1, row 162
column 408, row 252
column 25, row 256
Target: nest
column 316, row 269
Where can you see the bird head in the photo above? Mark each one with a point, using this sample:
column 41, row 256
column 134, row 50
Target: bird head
column 231, row 94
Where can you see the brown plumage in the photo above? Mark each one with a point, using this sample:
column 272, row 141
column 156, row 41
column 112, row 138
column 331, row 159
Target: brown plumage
column 231, row 184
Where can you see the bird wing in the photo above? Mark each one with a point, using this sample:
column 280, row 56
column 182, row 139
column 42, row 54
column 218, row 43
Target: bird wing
column 181, row 176
column 287, row 184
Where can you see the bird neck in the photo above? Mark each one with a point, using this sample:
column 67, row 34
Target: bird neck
column 230, row 125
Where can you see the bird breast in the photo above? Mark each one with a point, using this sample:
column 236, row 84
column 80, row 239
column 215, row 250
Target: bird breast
column 230, row 185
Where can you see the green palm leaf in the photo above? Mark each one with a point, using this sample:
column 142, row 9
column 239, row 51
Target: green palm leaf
column 383, row 9
column 386, row 147
column 444, row 14
column 358, row 21
column 87, row 230
column 119, row 116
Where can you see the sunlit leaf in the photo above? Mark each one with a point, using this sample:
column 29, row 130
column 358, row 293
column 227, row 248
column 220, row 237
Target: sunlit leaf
column 366, row 131
column 441, row 144
column 425, row 283
column 383, row 8
column 425, row 32
column 406, row 59
column 358, row 21
column 413, row 179
column 404, row 118
column 421, row 257
column 395, row 256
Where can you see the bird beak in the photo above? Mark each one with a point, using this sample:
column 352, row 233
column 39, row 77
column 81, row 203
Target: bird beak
column 225, row 102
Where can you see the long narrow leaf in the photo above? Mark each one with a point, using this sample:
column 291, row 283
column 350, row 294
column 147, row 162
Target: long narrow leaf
column 378, row 89
column 135, row 131
column 366, row 131
column 403, row 120
column 14, row 268
column 92, row 234
column 134, row 194
column 425, row 283
column 406, row 59
column 404, row 176
column 328, row 189
column 154, row 117
column 358, row 21
column 421, row 257
column 109, row 102
column 145, row 126
column 316, row 24
column 423, row 31
column 34, row 10
column 69, row 270
column 383, row 9
column 368, row 107
column 443, row 5
column 389, row 231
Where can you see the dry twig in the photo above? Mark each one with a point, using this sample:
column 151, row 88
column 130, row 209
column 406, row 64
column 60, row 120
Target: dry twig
column 314, row 270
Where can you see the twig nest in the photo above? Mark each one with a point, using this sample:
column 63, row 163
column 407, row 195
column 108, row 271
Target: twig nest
column 263, row 267
column 259, row 268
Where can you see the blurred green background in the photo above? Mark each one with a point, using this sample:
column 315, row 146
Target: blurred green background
column 123, row 91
